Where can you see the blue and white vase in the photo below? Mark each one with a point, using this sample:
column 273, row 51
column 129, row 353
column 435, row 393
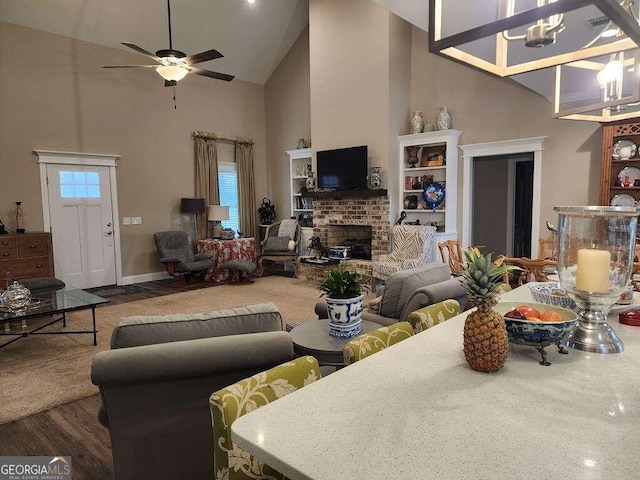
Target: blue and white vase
column 344, row 316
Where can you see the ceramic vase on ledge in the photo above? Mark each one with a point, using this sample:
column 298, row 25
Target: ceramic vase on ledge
column 417, row 123
column 443, row 119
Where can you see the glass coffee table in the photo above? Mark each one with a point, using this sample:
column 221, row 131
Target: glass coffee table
column 51, row 303
column 312, row 338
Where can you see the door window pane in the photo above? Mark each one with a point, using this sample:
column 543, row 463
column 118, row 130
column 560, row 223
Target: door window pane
column 79, row 185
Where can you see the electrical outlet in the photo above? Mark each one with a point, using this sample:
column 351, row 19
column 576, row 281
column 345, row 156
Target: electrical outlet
column 136, row 220
column 126, row 220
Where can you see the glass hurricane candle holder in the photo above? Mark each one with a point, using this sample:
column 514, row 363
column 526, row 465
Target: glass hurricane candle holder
column 595, row 259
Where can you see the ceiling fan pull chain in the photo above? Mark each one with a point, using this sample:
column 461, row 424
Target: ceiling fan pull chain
column 175, row 107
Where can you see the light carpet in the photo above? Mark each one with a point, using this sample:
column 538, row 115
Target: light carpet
column 44, row 371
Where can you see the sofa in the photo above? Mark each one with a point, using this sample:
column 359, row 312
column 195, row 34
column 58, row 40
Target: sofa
column 408, row 290
column 156, row 380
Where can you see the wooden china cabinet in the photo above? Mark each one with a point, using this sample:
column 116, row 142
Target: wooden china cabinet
column 613, row 183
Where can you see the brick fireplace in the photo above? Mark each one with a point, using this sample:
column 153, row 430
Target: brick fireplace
column 342, row 210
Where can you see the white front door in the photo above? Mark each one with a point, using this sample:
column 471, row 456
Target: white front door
column 82, row 224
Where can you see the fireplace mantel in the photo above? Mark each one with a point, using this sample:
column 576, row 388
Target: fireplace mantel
column 342, row 194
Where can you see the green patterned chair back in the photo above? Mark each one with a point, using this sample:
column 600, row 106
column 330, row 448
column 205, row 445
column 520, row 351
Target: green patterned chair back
column 230, row 461
column 372, row 342
column 432, row 315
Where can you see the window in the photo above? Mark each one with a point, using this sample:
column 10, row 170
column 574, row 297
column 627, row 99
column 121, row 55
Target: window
column 228, row 185
column 79, row 184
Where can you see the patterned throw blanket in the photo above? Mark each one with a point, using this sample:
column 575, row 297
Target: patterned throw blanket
column 288, row 228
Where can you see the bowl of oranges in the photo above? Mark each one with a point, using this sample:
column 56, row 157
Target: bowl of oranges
column 535, row 324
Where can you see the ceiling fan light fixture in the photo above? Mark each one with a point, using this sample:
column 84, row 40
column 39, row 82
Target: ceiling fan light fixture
column 172, row 72
column 469, row 33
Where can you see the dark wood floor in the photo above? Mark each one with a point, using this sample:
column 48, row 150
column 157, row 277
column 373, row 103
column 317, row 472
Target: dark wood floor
column 73, row 429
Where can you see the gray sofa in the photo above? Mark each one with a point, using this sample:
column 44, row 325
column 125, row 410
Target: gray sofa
column 409, row 290
column 156, row 380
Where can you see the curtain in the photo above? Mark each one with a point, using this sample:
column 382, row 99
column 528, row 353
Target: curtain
column 206, row 178
column 246, row 190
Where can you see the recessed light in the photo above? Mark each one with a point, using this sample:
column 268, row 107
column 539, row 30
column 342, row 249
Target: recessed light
column 251, row 1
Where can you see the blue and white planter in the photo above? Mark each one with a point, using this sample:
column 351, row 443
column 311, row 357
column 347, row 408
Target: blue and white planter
column 344, row 316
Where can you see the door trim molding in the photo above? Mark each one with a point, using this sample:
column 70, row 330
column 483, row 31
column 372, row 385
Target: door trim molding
column 48, row 157
column 504, row 147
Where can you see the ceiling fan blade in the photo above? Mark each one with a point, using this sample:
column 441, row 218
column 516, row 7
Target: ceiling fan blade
column 203, row 57
column 208, row 73
column 129, row 66
column 140, row 50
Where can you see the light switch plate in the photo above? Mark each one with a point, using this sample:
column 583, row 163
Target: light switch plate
column 136, row 220
column 126, row 220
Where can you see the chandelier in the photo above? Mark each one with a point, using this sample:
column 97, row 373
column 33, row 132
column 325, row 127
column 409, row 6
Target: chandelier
column 518, row 36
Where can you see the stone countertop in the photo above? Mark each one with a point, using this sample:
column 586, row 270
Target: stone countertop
column 416, row 410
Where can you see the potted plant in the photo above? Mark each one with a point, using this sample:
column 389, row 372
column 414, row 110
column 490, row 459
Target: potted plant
column 345, row 300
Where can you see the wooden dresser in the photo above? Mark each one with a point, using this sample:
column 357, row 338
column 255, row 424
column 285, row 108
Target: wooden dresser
column 25, row 255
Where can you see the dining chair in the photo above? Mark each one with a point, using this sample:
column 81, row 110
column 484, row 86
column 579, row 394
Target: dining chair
column 548, row 248
column 451, row 254
column 228, row 404
column 365, row 345
column 530, row 270
column 433, row 315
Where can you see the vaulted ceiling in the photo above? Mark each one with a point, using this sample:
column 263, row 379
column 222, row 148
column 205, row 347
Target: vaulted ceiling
column 253, row 37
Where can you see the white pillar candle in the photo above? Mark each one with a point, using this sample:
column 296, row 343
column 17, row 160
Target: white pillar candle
column 593, row 270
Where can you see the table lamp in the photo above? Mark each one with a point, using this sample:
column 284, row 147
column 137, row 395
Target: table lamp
column 193, row 206
column 215, row 214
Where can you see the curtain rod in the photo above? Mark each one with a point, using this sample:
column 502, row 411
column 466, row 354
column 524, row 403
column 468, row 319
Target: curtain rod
column 215, row 136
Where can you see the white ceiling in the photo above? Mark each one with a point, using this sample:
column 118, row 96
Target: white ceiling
column 252, row 37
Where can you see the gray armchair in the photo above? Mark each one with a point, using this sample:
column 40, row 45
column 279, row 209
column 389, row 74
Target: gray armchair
column 281, row 243
column 176, row 254
column 409, row 290
column 156, row 380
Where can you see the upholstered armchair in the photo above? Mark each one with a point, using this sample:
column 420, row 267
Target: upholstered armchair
column 412, row 245
column 156, row 380
column 281, row 243
column 176, row 254
column 407, row 291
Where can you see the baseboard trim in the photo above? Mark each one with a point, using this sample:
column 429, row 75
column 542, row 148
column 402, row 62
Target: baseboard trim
column 145, row 277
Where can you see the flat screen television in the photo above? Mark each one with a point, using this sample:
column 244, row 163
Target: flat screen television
column 343, row 168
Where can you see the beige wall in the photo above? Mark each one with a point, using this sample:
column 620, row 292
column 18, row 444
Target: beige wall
column 286, row 97
column 349, row 60
column 55, row 96
column 488, row 109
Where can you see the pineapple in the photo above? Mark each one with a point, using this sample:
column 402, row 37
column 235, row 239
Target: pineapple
column 485, row 335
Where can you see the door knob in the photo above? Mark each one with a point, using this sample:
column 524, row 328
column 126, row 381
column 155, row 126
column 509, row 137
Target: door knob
column 109, row 224
column 108, row 234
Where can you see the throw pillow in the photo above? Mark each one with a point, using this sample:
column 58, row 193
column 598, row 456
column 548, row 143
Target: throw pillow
column 276, row 244
column 374, row 305
column 292, row 245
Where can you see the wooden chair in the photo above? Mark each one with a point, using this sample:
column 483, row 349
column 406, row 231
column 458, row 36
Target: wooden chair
column 548, row 248
column 535, row 270
column 453, row 256
column 276, row 248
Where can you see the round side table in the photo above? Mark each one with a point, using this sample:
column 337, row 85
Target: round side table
column 312, row 338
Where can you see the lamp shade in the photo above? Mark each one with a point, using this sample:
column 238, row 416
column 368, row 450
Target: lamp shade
column 172, row 72
column 217, row 213
column 192, row 205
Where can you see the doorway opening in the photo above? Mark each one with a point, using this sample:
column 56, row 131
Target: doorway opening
column 518, row 185
column 501, row 181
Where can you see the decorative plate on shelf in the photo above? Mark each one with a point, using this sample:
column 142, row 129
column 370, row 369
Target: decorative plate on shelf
column 623, row 200
column 616, row 154
column 628, row 176
column 433, row 194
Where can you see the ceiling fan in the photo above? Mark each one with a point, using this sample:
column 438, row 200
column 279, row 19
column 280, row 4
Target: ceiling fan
column 174, row 65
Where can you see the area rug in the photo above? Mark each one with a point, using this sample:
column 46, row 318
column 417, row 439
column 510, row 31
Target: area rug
column 41, row 372
column 123, row 290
